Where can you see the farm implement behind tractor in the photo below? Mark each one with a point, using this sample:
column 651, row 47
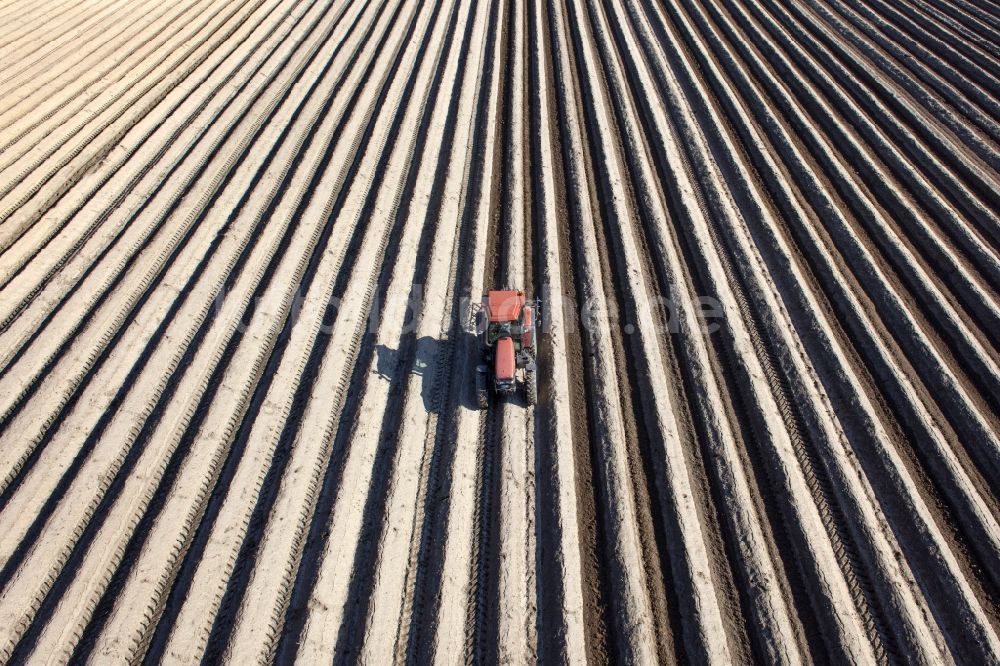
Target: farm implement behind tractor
column 506, row 324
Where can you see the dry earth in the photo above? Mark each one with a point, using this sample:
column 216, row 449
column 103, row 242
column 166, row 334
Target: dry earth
column 238, row 243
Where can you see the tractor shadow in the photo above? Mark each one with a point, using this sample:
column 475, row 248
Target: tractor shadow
column 434, row 362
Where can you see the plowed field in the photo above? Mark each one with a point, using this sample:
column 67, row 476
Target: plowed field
column 240, row 245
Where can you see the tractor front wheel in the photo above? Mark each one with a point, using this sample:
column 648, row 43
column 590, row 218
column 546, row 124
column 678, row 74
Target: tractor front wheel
column 531, row 386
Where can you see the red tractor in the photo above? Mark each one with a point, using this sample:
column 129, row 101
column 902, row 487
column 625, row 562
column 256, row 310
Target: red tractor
column 506, row 325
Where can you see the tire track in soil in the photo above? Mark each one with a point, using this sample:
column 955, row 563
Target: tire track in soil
column 109, row 497
column 19, row 189
column 452, row 391
column 351, row 637
column 906, row 420
column 919, row 338
column 483, row 621
column 53, row 426
column 822, row 489
column 12, row 273
column 812, row 482
column 225, row 618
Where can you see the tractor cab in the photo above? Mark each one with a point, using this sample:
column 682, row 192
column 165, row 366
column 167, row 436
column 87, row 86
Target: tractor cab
column 506, row 323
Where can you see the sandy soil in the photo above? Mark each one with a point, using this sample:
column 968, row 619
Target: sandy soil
column 239, row 244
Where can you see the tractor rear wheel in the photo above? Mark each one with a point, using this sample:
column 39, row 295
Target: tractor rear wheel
column 482, row 391
column 531, row 387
